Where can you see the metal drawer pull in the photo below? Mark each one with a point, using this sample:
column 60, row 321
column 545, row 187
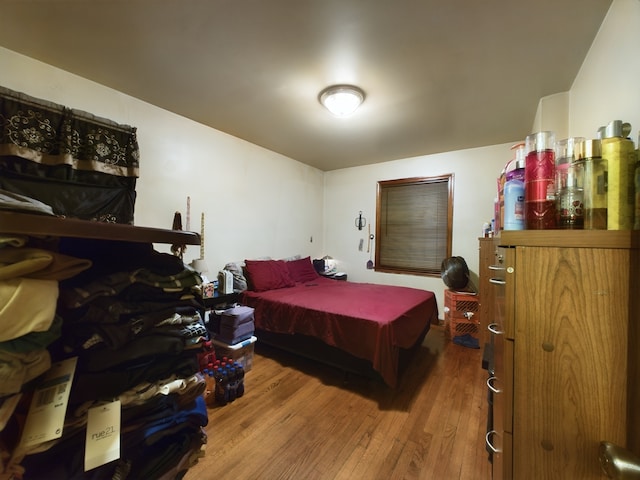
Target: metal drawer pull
column 493, row 328
column 496, row 267
column 497, row 281
column 617, row 462
column 488, row 442
column 490, row 385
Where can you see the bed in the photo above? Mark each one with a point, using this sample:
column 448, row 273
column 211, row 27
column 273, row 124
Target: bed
column 361, row 327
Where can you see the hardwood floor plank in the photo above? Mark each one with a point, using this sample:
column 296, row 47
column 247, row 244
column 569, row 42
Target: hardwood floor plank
column 302, row 420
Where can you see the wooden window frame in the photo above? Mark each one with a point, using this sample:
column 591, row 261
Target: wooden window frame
column 434, row 268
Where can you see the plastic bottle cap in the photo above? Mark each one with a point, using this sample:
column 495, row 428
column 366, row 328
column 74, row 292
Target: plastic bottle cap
column 568, row 149
column 591, row 148
column 520, row 156
column 617, row 128
column 540, row 141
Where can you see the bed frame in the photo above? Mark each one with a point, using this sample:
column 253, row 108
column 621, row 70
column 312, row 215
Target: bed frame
column 315, row 349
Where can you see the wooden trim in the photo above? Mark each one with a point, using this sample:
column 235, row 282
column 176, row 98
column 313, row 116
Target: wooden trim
column 571, row 238
column 44, row 225
column 382, row 185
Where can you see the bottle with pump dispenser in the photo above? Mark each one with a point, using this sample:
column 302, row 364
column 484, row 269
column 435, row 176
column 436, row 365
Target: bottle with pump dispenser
column 502, row 179
column 539, row 177
column 514, row 190
column 569, row 184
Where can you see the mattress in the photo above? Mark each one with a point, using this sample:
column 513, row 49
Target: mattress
column 369, row 321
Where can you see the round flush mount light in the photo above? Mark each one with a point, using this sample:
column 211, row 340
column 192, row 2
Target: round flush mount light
column 341, row 100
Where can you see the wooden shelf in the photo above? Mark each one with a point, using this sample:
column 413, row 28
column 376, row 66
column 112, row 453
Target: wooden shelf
column 44, row 225
column 572, row 238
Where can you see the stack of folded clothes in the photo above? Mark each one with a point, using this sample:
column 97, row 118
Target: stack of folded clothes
column 136, row 330
column 29, row 279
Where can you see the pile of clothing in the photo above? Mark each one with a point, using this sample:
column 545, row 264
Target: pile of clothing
column 128, row 314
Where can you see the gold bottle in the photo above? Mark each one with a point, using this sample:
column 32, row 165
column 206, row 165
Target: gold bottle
column 595, row 184
column 619, row 152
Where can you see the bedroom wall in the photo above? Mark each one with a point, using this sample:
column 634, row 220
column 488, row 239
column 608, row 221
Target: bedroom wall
column 256, row 202
column 274, row 205
column 350, row 190
column 606, row 88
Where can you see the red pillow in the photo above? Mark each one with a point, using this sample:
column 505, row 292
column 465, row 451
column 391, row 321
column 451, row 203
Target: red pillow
column 268, row 275
column 302, row 270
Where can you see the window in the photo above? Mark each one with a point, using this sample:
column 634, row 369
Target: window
column 414, row 224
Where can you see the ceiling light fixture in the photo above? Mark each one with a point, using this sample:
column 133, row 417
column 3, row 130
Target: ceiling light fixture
column 341, row 100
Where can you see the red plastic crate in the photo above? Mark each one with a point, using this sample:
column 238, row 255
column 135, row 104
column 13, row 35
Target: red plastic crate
column 461, row 314
column 461, row 302
column 455, row 325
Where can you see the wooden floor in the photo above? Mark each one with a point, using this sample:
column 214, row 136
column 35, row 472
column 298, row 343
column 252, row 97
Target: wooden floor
column 300, row 420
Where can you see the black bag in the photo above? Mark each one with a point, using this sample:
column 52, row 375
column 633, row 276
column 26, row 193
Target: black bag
column 455, row 272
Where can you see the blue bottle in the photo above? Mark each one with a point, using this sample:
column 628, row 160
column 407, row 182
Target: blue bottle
column 239, row 380
column 514, row 194
column 231, row 386
column 221, row 386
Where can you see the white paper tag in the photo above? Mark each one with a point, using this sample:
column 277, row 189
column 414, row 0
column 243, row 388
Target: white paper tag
column 102, row 444
column 45, row 420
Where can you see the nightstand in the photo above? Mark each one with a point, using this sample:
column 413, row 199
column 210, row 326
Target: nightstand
column 219, row 299
column 336, row 276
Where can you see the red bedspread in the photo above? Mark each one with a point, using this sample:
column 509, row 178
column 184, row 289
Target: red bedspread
column 369, row 321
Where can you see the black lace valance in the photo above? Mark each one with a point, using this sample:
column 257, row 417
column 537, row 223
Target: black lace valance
column 52, row 134
column 82, row 165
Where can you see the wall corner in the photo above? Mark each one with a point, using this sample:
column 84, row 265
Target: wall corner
column 553, row 114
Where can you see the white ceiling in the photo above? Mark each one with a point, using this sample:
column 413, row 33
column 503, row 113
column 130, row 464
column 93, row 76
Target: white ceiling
column 439, row 75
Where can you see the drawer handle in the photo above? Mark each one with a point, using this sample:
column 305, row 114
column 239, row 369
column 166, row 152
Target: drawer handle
column 618, row 462
column 487, row 440
column 494, row 328
column 496, row 267
column 490, row 385
column 497, row 281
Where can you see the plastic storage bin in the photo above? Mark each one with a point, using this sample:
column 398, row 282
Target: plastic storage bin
column 240, row 352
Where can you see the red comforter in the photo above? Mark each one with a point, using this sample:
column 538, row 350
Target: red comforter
column 369, row 321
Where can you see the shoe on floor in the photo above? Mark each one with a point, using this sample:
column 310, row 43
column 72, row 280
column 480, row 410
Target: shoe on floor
column 466, row 340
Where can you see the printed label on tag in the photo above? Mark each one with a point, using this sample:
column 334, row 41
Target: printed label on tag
column 45, row 420
column 102, row 444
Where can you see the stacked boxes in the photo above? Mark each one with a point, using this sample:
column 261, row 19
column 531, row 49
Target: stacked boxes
column 232, row 325
column 462, row 314
column 232, row 334
column 236, row 324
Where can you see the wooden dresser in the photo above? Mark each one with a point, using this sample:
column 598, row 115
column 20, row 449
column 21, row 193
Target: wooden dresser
column 487, row 258
column 567, row 346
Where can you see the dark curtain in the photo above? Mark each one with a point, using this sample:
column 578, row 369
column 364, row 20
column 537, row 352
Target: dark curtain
column 81, row 165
